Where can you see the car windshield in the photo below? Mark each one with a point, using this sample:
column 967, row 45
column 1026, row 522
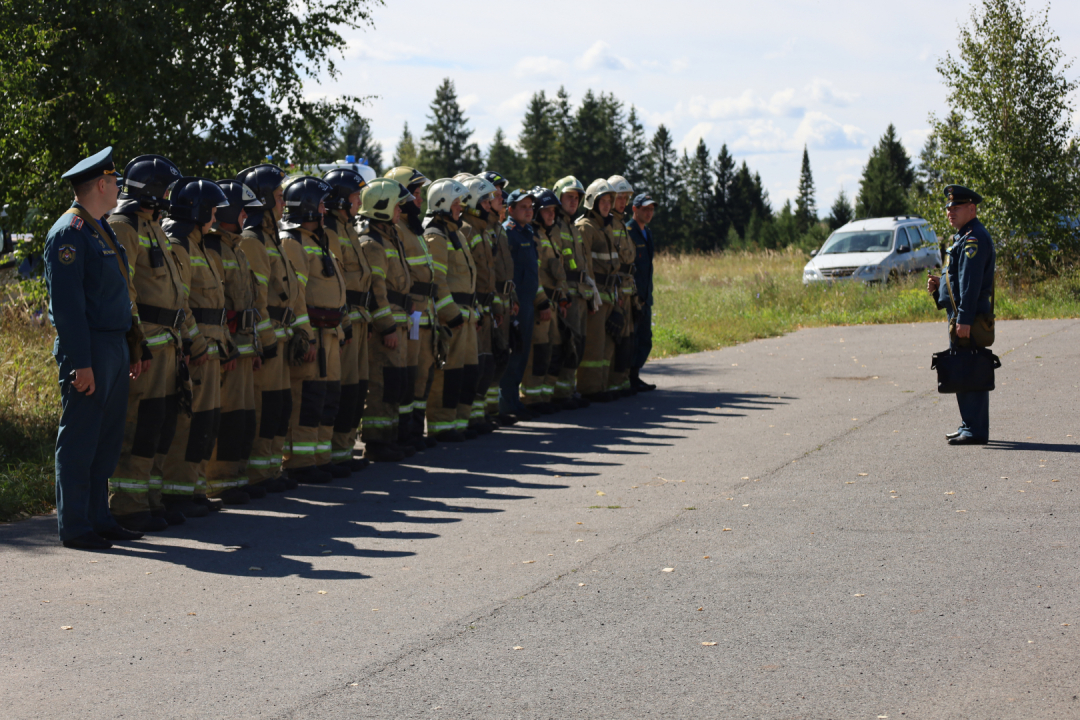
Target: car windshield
column 858, row 241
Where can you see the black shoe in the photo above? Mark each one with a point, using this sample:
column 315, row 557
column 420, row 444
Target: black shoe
column 185, row 504
column 382, row 452
column 950, row 436
column 89, row 541
column 355, row 465
column 172, row 517
column 483, row 427
column 507, row 420
column 967, row 440
column 310, row 475
column 143, row 522
column 600, row 397
column 336, row 471
column 255, row 492
column 524, row 414
column 450, row 436
column 418, row 444
column 119, row 534
column 406, row 450
column 276, row 485
column 642, row 386
column 235, row 496
column 430, row 441
column 581, row 401
column 211, row 504
column 470, row 434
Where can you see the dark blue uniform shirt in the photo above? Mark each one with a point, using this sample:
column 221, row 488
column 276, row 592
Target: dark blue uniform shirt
column 521, row 240
column 970, row 268
column 87, row 291
column 643, row 263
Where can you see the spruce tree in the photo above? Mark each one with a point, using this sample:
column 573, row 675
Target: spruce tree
column 740, row 200
column 503, row 159
column 445, row 148
column 405, row 153
column 841, row 212
column 637, row 151
column 538, row 143
column 564, row 156
column 664, row 185
column 356, row 140
column 886, row 179
column 697, row 190
column 724, row 174
column 805, row 205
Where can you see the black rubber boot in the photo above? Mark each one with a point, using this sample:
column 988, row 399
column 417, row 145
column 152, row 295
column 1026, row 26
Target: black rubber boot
column 141, row 522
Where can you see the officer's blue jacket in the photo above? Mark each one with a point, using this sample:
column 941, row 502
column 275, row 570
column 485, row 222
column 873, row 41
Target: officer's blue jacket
column 970, row 267
column 87, row 291
column 643, row 263
column 521, row 239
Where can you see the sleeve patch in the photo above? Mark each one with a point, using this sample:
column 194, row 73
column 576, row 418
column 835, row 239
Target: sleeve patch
column 66, row 253
column 970, row 250
column 76, row 222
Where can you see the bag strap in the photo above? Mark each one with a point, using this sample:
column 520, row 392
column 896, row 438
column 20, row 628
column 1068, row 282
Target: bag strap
column 87, row 217
column 948, row 287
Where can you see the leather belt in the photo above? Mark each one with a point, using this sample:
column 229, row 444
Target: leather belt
column 504, row 288
column 575, row 276
column 485, row 298
column 606, row 280
column 282, row 314
column 242, row 320
column 626, row 268
column 424, row 289
column 210, row 316
column 358, row 298
column 396, row 298
column 162, row 316
column 464, row 298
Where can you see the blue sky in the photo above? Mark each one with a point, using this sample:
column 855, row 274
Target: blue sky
column 765, row 77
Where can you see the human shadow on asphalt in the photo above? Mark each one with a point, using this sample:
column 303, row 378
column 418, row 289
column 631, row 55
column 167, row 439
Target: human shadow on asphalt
column 1039, row 447
column 328, row 531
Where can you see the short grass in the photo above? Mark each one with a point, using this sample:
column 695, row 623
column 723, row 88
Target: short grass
column 704, row 302
column 29, row 412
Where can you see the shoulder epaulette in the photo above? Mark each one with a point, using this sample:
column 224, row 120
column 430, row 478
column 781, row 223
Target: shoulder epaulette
column 131, row 221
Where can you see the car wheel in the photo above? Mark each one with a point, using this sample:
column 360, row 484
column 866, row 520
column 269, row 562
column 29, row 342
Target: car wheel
column 894, row 276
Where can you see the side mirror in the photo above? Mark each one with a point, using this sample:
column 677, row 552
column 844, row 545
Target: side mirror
column 903, row 249
column 813, row 253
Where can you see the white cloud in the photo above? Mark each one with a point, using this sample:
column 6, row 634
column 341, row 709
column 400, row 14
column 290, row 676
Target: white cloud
column 823, row 91
column 782, row 103
column 600, row 57
column 913, row 140
column 690, row 139
column 513, row 108
column 821, row 132
column 540, row 67
column 761, row 136
column 467, row 101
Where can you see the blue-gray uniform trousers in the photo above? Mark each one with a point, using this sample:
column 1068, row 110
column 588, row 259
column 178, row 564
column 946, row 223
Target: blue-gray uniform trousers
column 974, row 412
column 642, row 337
column 90, row 437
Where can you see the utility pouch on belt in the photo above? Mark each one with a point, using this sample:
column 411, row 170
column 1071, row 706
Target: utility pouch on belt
column 241, row 321
column 358, row 299
column 504, row 288
column 282, row 314
column 324, row 317
column 183, row 385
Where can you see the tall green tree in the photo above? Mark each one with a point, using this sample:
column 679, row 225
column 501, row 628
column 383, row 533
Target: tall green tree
column 538, row 142
column 636, row 146
column 406, row 153
column 565, row 154
column 805, row 204
column 221, row 82
column 1009, row 136
column 664, row 184
column 445, row 149
column 597, row 138
column 886, row 179
column 503, row 159
column 841, row 212
column 724, row 174
column 356, row 140
column 696, row 202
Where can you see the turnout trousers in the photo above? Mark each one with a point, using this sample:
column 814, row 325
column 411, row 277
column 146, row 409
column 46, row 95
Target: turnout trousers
column 425, row 373
column 622, row 350
column 499, row 366
column 573, row 339
column 354, row 388
column 90, row 437
column 273, row 408
column 592, row 374
column 193, row 443
column 407, row 412
column 485, row 363
column 316, row 395
column 538, row 367
column 236, row 434
column 386, row 389
column 135, row 485
column 452, row 391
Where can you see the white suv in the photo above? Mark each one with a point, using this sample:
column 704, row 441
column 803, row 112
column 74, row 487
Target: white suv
column 873, row 250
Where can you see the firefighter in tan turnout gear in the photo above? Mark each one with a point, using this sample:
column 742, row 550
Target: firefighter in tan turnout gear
column 596, row 233
column 623, row 335
column 157, row 298
column 314, row 350
column 193, row 202
column 582, row 290
column 504, row 304
column 455, row 276
column 380, row 208
column 226, row 473
column 339, row 224
column 278, row 291
column 420, row 346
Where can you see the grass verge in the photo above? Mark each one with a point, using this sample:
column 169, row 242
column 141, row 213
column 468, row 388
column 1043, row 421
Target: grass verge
column 703, row 302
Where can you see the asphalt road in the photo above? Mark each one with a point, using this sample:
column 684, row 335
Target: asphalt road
column 780, row 531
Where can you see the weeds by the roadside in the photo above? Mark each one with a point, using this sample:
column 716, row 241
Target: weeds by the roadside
column 708, row 301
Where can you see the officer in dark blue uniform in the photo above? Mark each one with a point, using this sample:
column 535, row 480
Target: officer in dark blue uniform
column 86, row 273
column 966, row 292
column 522, row 242
column 644, row 208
